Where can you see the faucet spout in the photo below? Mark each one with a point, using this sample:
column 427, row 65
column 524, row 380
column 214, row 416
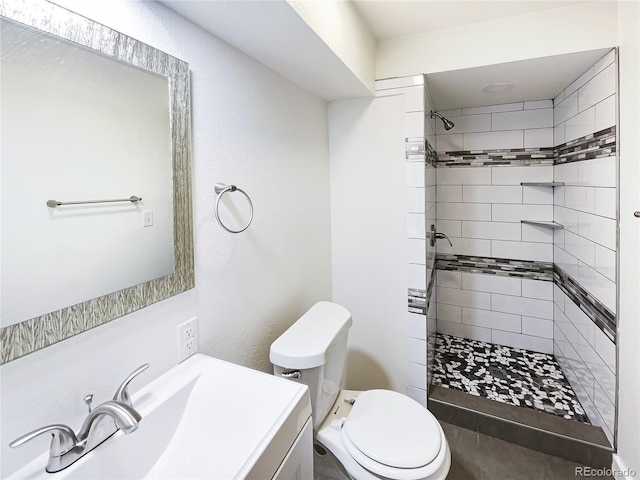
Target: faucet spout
column 125, row 417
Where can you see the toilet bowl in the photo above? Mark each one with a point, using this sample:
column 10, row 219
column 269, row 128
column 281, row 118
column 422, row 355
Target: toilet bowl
column 384, row 434
column 374, row 434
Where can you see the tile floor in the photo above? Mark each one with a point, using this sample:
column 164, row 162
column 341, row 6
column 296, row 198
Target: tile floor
column 475, row 456
column 505, row 374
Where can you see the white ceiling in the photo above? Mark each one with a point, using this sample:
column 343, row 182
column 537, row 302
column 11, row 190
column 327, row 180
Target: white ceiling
column 275, row 35
column 463, row 88
column 397, row 18
column 535, row 79
column 272, row 33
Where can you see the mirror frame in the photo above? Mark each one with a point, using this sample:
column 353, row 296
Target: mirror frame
column 39, row 332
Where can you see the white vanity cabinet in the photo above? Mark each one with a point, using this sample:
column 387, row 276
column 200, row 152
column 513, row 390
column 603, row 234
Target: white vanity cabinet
column 298, row 464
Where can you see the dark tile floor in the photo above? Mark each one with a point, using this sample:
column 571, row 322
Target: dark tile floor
column 475, row 456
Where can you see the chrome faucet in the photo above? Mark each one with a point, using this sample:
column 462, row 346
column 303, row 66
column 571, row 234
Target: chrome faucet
column 102, row 422
column 126, row 418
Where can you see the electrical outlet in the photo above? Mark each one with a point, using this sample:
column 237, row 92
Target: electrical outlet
column 189, row 333
column 187, row 339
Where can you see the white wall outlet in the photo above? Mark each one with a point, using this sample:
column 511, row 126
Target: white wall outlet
column 187, row 339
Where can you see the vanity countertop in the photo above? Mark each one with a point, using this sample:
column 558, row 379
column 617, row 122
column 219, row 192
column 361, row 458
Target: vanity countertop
column 204, row 418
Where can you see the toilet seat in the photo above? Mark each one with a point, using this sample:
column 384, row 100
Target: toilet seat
column 393, row 436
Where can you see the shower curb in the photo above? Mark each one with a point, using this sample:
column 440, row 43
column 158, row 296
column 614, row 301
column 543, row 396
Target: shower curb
column 568, row 439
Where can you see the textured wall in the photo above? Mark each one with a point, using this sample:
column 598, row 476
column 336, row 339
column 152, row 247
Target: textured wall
column 253, row 128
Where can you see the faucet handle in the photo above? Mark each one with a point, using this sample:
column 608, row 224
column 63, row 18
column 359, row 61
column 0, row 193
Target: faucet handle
column 122, row 394
column 433, row 236
column 62, row 439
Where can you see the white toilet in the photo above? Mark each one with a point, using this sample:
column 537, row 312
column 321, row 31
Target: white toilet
column 376, row 434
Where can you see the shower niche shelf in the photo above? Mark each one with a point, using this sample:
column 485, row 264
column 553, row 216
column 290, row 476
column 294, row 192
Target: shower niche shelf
column 540, row 223
column 542, row 184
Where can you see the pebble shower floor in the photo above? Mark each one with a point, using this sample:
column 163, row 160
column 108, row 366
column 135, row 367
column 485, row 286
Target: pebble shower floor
column 505, row 374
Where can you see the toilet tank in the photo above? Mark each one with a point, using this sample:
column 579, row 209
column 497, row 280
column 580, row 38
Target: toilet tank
column 313, row 352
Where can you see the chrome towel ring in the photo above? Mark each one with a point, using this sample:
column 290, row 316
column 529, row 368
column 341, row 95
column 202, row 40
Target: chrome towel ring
column 221, row 189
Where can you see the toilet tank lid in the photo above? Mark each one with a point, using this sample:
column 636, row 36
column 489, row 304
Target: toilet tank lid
column 306, row 342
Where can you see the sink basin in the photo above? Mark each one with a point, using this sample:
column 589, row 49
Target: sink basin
column 205, row 418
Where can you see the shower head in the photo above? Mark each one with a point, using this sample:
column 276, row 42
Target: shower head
column 448, row 124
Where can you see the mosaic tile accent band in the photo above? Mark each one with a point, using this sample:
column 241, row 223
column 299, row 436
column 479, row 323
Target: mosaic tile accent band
column 431, row 155
column 419, row 300
column 505, row 157
column 596, row 145
column 419, row 148
column 496, row 266
column 599, row 314
column 414, row 148
column 507, row 375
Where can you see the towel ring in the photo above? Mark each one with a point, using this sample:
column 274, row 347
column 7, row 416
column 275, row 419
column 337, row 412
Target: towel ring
column 221, row 189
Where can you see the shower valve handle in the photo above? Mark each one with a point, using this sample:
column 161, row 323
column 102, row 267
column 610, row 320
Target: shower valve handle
column 433, row 236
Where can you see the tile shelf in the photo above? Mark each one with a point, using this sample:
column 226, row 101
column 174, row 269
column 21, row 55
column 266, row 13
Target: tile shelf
column 553, row 225
column 541, row 223
column 542, row 184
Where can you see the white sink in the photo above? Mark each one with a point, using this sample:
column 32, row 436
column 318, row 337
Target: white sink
column 205, row 418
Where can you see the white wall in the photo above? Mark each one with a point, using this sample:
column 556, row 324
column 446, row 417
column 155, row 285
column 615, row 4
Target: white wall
column 340, row 26
column 368, row 235
column 629, row 268
column 576, row 28
column 253, row 128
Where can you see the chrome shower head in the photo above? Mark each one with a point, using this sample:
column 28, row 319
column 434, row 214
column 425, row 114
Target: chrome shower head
column 448, row 124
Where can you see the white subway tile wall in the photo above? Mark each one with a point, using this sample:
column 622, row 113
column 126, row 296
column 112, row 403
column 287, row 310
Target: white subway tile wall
column 587, row 203
column 430, row 219
column 513, row 125
column 511, row 311
column 421, row 212
column 421, row 195
column 588, row 360
column 480, row 208
column 586, row 250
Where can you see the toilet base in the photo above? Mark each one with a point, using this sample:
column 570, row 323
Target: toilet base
column 326, row 466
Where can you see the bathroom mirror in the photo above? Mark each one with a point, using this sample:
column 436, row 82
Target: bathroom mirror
column 88, row 114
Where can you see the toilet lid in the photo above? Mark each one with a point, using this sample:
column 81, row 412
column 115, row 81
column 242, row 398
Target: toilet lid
column 393, row 430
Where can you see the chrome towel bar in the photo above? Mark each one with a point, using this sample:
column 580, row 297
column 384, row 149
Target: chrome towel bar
column 221, row 189
column 56, row 203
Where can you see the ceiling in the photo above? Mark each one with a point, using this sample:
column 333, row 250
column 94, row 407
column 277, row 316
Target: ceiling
column 397, row 18
column 272, row 33
column 464, row 88
column 531, row 80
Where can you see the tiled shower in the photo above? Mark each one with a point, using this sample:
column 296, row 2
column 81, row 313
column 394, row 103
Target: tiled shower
column 527, row 193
